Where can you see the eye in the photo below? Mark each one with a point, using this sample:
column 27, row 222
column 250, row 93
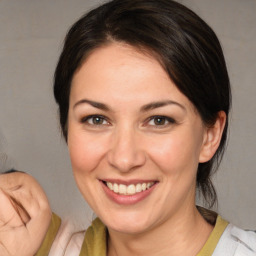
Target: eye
column 95, row 120
column 160, row 121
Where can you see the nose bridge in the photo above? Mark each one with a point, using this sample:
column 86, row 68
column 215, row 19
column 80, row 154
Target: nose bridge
column 125, row 152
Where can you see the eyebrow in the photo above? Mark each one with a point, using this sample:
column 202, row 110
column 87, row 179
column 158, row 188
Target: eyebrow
column 159, row 104
column 145, row 108
column 95, row 104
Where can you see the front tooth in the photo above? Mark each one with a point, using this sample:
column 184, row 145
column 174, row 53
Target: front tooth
column 110, row 186
column 144, row 186
column 131, row 190
column 115, row 188
column 122, row 189
column 138, row 188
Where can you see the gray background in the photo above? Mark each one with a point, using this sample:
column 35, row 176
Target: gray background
column 31, row 36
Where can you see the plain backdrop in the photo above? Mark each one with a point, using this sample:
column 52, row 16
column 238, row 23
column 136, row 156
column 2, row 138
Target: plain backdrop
column 31, row 37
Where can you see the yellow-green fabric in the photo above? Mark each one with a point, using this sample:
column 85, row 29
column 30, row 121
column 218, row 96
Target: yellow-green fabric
column 95, row 241
column 214, row 237
column 50, row 236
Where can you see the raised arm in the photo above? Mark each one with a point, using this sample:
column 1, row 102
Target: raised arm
column 25, row 214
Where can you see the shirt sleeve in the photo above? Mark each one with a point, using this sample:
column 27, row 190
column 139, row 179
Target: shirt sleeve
column 50, row 236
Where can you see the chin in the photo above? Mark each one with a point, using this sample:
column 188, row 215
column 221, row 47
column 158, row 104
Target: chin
column 128, row 223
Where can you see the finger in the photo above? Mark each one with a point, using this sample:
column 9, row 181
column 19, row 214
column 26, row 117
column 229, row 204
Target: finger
column 25, row 190
column 8, row 215
column 26, row 203
column 24, row 216
column 13, row 181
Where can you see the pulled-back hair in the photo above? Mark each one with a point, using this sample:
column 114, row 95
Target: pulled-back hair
column 185, row 46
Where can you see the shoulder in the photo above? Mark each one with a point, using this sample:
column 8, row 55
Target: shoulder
column 68, row 240
column 236, row 242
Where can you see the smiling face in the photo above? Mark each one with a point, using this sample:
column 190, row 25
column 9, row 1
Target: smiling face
column 135, row 140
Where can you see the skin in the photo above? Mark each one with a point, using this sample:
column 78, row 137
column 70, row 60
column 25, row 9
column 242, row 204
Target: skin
column 124, row 141
column 25, row 215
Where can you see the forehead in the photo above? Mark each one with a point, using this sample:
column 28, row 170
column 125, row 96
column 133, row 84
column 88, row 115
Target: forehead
column 118, row 55
column 126, row 73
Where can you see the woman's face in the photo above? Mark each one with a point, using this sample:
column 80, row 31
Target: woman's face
column 135, row 140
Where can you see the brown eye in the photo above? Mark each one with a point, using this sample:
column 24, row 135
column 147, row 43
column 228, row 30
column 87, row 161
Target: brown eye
column 161, row 121
column 95, row 120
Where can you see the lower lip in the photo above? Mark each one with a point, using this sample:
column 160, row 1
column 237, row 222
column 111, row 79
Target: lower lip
column 127, row 199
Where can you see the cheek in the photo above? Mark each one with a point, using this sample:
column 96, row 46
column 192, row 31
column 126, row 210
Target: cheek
column 85, row 152
column 175, row 153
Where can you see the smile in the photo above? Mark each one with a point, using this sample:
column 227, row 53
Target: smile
column 128, row 192
column 130, row 189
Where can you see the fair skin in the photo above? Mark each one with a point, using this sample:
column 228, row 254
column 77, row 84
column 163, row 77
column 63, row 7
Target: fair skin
column 25, row 215
column 129, row 127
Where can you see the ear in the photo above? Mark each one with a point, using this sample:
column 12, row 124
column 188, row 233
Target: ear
column 212, row 138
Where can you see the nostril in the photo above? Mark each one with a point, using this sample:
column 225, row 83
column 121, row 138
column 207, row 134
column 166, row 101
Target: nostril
column 126, row 159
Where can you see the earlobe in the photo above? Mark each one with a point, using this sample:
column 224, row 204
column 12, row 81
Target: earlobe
column 212, row 138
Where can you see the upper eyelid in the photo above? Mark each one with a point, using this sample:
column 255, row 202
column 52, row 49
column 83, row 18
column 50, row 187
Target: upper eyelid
column 171, row 121
column 85, row 118
column 162, row 116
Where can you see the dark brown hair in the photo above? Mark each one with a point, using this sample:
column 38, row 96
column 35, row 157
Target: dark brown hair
column 182, row 42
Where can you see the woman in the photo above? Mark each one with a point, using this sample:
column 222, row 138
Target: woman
column 144, row 98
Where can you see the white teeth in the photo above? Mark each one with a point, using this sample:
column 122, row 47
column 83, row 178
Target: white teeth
column 115, row 188
column 130, row 189
column 122, row 189
column 110, row 185
column 138, row 188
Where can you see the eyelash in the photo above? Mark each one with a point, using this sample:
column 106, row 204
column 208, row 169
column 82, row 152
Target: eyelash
column 167, row 121
column 100, row 117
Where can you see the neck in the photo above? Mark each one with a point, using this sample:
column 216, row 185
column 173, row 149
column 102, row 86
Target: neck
column 183, row 234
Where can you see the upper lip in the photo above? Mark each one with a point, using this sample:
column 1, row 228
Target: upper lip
column 128, row 182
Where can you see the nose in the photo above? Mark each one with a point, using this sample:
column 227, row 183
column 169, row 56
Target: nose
column 126, row 153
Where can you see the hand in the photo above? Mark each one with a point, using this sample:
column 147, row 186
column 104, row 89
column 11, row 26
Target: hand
column 24, row 215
